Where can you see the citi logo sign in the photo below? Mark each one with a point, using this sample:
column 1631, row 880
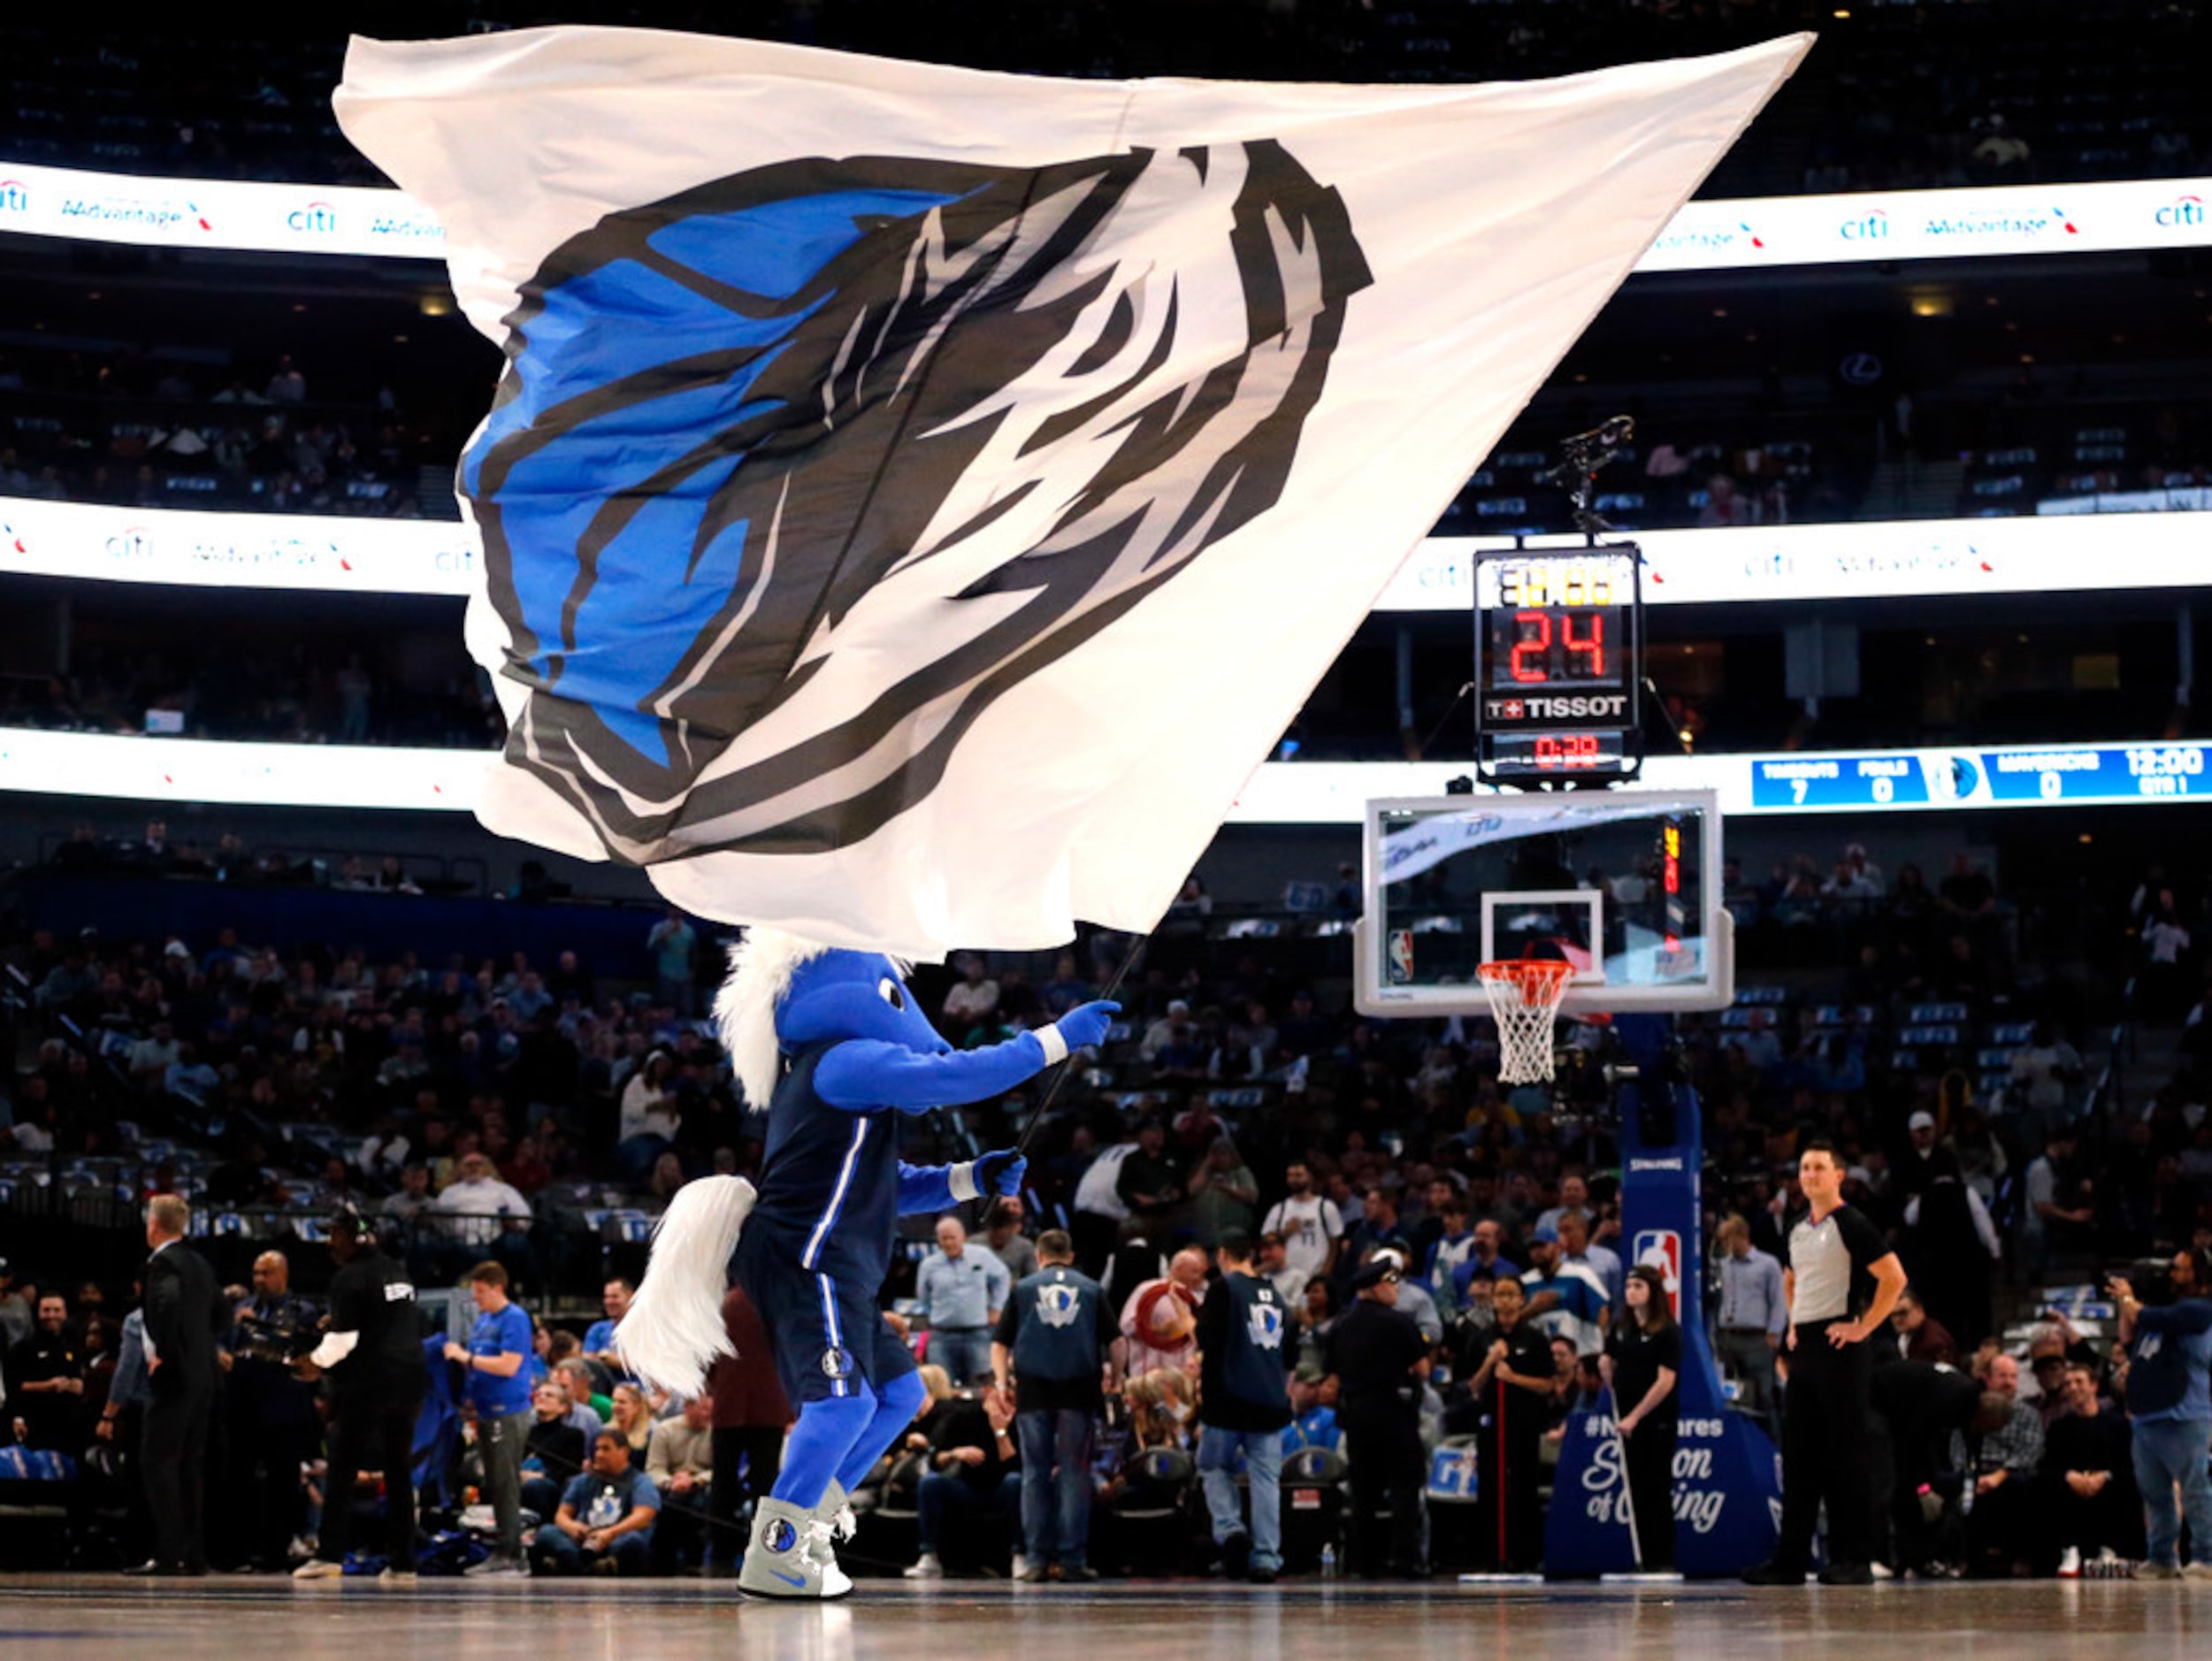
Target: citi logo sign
column 15, row 196
column 1871, row 227
column 136, row 543
column 316, row 217
column 2181, row 211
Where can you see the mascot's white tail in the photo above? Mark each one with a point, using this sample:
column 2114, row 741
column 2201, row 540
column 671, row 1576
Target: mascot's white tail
column 673, row 1332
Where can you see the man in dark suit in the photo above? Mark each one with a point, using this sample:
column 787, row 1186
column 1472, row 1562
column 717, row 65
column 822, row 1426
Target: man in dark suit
column 184, row 1314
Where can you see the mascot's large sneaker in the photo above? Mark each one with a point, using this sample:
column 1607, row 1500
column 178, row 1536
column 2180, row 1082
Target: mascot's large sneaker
column 790, row 1555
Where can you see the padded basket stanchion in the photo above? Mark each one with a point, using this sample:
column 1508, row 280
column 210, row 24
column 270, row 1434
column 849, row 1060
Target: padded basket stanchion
column 1524, row 996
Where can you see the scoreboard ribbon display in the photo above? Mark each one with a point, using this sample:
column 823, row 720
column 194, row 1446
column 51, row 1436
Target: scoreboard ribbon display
column 2050, row 776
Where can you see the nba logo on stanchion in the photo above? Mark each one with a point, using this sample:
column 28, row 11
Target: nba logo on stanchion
column 1662, row 1249
column 1401, row 956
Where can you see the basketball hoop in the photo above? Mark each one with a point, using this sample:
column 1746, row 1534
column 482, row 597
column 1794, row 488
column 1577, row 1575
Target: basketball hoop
column 1525, row 995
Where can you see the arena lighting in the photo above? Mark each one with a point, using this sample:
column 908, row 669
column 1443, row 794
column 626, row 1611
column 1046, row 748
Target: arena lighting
column 1735, row 233
column 1852, row 561
column 1857, row 782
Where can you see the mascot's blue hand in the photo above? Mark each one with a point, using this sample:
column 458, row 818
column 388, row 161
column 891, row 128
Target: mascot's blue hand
column 1087, row 1023
column 1000, row 1172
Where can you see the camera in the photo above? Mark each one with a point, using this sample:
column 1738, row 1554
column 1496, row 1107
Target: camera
column 278, row 1343
column 2152, row 1280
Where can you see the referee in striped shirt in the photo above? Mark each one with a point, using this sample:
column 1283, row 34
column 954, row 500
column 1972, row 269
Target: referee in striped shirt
column 1838, row 1263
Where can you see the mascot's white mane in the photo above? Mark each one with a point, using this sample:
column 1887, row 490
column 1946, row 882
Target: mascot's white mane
column 761, row 967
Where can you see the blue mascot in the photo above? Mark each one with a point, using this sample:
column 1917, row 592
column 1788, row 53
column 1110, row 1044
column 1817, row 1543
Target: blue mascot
column 832, row 1042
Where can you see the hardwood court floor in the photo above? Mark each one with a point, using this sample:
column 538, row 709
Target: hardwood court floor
column 48, row 1618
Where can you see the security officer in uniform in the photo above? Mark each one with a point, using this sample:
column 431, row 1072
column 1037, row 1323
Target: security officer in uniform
column 1243, row 1403
column 372, row 1353
column 1062, row 1340
column 1838, row 1263
column 1379, row 1361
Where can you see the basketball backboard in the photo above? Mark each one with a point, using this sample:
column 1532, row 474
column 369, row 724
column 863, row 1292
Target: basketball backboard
column 1623, row 884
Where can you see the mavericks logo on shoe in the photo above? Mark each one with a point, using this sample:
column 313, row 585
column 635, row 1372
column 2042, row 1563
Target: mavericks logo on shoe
column 780, row 1537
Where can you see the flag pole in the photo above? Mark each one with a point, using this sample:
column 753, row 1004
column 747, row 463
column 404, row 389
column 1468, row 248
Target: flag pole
column 1052, row 1090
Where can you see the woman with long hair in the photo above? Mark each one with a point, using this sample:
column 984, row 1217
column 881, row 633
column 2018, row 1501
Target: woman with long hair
column 1644, row 1358
column 1162, row 1405
column 633, row 1419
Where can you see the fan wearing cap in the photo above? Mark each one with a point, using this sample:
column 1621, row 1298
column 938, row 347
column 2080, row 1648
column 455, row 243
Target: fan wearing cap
column 372, row 1352
column 1313, row 1412
column 1577, row 1307
column 1378, row 1361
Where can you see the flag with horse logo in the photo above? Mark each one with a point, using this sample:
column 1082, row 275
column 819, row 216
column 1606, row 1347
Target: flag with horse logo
column 916, row 499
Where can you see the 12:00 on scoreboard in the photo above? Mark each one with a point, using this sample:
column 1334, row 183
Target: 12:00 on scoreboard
column 2051, row 774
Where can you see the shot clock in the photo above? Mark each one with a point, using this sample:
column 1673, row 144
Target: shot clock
column 1558, row 664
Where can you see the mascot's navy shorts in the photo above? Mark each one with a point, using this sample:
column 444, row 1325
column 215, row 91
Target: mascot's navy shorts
column 828, row 1335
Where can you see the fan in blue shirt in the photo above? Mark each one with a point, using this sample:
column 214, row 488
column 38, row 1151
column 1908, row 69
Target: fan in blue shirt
column 599, row 1338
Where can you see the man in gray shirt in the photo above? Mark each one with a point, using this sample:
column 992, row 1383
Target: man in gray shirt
column 960, row 1293
column 1003, row 1238
column 1838, row 1262
column 1752, row 1314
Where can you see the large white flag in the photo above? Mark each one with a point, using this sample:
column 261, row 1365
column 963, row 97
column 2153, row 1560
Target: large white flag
column 917, row 498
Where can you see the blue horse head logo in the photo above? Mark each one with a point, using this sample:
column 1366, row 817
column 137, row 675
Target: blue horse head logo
column 793, row 475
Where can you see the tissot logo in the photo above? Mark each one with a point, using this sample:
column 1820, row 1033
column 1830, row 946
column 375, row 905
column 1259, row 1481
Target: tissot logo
column 1597, row 706
column 2180, row 211
column 15, row 196
column 314, row 217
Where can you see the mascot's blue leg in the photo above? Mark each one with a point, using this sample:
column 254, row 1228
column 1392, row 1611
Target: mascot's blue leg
column 895, row 1405
column 821, row 1443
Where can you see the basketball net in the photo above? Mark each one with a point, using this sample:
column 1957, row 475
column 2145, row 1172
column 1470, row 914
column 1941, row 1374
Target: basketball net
column 1524, row 996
